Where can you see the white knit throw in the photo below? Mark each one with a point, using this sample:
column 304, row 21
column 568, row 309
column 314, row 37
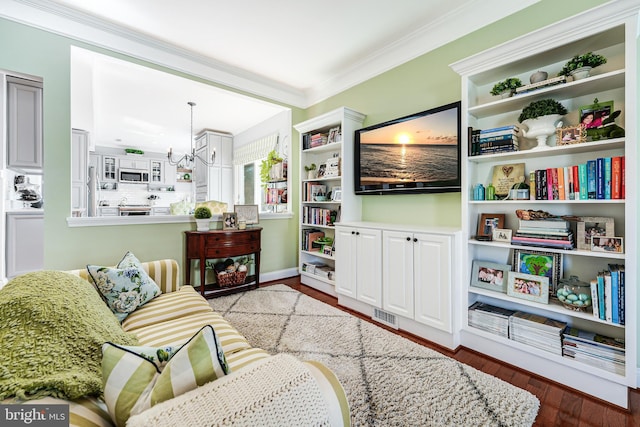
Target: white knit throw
column 276, row 391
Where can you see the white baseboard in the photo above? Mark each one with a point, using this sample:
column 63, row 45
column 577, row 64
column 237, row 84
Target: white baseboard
column 278, row 274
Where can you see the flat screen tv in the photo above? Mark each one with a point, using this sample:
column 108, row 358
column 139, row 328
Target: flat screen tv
column 419, row 153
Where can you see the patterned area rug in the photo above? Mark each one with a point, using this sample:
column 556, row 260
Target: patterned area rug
column 389, row 380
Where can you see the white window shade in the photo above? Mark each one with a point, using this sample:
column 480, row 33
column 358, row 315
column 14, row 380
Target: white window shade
column 255, row 150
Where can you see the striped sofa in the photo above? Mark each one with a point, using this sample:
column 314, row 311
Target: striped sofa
column 171, row 319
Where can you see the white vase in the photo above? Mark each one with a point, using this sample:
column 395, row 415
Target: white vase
column 541, row 128
column 202, row 224
column 581, row 73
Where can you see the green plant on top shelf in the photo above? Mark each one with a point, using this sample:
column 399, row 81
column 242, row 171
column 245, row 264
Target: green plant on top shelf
column 544, row 107
column 589, row 59
column 133, row 151
column 508, row 85
column 202, row 212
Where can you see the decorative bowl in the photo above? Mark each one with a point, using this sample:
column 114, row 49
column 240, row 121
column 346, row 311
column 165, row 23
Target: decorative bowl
column 574, row 294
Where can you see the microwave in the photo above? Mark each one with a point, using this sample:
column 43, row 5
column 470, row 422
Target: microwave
column 136, row 176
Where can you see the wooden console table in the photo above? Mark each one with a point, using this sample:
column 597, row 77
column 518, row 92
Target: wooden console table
column 220, row 244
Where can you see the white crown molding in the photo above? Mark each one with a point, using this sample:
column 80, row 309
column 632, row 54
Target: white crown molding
column 83, row 27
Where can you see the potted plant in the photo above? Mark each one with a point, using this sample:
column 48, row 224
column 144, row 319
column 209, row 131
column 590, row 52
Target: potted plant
column 540, row 118
column 507, row 87
column 271, row 168
column 202, row 215
column 580, row 65
column 311, row 171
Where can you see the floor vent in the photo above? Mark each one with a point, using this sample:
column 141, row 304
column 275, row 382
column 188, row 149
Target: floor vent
column 385, row 318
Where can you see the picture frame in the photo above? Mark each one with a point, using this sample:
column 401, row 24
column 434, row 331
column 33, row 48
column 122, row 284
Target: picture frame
column 570, row 135
column 247, row 213
column 502, row 235
column 591, row 116
column 336, row 194
column 321, row 170
column 504, row 177
column 590, row 226
column 539, row 263
column 487, row 223
column 607, row 244
column 528, row 287
column 229, row 221
column 333, row 135
column 490, row 276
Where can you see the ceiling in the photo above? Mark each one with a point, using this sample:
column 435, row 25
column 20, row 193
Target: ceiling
column 291, row 51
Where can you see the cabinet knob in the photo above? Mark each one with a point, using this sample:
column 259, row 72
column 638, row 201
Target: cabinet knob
column 353, row 232
column 357, row 233
column 415, row 239
column 408, row 239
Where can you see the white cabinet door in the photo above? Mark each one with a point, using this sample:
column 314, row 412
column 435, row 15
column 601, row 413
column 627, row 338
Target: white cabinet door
column 170, row 173
column 156, row 172
column 397, row 270
column 25, row 243
column 369, row 266
column 79, row 169
column 108, row 171
column 346, row 257
column 24, row 124
column 130, row 163
column 433, row 280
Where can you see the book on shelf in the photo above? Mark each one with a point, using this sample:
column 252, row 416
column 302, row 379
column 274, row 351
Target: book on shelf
column 538, row 85
column 552, row 224
column 500, row 149
column 607, row 178
column 576, row 182
column 600, row 178
column 608, row 294
column 499, row 137
column 507, row 128
column 623, row 181
column 582, row 181
column 543, row 243
column 591, row 179
column 308, row 237
column 560, row 174
column 616, row 177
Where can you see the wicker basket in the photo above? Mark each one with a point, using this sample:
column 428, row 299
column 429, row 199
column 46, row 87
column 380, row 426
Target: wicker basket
column 231, row 279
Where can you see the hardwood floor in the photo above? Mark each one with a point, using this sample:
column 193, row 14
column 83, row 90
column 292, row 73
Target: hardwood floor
column 559, row 406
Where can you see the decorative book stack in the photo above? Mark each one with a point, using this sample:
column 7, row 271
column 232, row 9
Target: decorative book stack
column 608, row 294
column 537, row 331
column 594, row 349
column 545, row 233
column 490, row 318
column 494, row 140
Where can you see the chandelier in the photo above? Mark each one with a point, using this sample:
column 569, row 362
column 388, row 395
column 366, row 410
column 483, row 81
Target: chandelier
column 190, row 158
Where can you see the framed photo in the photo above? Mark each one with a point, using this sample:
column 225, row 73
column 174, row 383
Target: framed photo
column 505, row 176
column 570, row 135
column 247, row 213
column 333, row 135
column 336, row 194
column 489, row 275
column 607, row 244
column 321, row 170
column 529, row 287
column 591, row 116
column 502, row 235
column 229, row 221
column 488, row 223
column 538, row 263
column 593, row 226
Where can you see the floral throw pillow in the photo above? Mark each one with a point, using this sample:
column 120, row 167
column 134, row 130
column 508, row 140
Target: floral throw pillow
column 125, row 287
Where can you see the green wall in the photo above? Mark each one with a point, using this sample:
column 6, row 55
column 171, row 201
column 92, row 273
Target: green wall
column 417, row 85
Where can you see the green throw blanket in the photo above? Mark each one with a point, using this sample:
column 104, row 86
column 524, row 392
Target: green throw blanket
column 52, row 327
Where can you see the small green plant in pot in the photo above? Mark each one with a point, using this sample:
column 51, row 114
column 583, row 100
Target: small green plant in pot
column 203, row 216
column 311, row 171
column 580, row 65
column 506, row 87
column 540, row 118
column 273, row 161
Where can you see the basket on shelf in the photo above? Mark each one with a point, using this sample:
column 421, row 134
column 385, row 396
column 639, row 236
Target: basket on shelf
column 231, row 279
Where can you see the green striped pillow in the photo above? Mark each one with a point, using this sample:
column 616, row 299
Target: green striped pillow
column 134, row 382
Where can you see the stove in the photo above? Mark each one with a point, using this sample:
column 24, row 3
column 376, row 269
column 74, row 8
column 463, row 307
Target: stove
column 134, row 210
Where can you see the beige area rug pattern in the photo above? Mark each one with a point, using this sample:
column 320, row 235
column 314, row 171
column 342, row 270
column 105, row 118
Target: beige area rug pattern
column 389, row 380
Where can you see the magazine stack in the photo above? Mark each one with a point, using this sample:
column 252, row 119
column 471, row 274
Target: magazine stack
column 594, row 349
column 490, row 318
column 544, row 233
column 537, row 331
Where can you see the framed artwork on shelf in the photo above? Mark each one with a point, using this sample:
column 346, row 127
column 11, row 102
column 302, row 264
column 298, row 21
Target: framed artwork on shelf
column 607, row 244
column 502, row 235
column 570, row 135
column 539, row 263
column 488, row 223
column 505, row 177
column 490, row 276
column 591, row 116
column 593, row 226
column 528, row 287
column 334, row 135
column 321, row 170
column 336, row 194
column 229, row 221
column 247, row 213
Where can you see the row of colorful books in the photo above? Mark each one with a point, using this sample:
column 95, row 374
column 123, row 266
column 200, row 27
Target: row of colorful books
column 312, row 190
column 309, row 236
column 276, row 195
column 314, row 140
column 546, row 233
column 318, row 216
column 601, row 178
column 608, row 294
column 494, row 140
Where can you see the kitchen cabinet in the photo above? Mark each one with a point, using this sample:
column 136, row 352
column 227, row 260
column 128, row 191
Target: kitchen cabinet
column 24, row 124
column 162, row 173
column 359, row 264
column 160, row 210
column 214, row 182
column 79, row 170
column 109, row 169
column 25, row 242
column 108, row 211
column 134, row 163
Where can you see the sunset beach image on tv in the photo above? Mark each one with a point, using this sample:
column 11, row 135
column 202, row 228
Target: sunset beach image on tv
column 414, row 153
